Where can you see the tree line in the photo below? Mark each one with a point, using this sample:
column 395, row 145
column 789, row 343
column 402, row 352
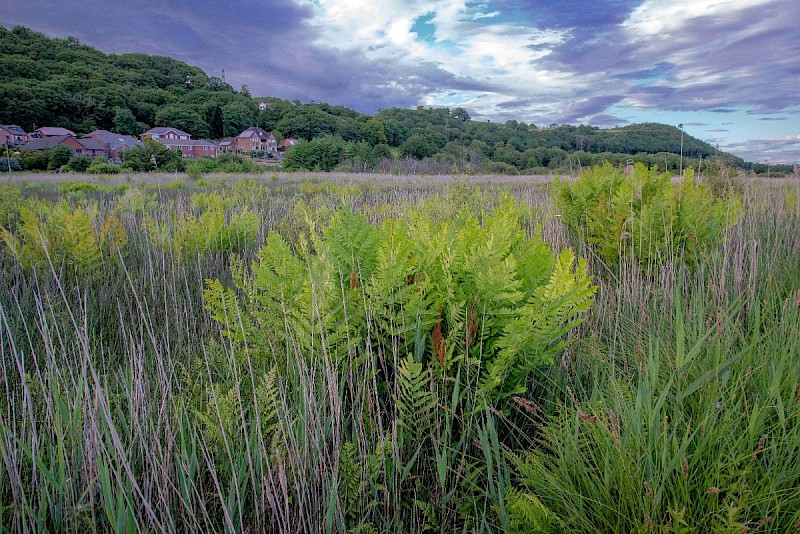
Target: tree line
column 61, row 82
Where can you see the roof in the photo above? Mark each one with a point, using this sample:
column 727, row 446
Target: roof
column 43, row 143
column 52, row 131
column 13, row 128
column 256, row 131
column 286, row 143
column 114, row 141
column 160, row 130
column 226, row 141
column 92, row 144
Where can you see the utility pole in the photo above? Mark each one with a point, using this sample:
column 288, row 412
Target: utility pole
column 680, row 126
column 8, row 156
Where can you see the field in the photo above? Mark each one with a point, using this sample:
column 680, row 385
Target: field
column 318, row 353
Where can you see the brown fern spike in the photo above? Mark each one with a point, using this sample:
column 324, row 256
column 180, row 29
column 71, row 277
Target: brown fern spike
column 438, row 339
column 353, row 279
column 472, row 325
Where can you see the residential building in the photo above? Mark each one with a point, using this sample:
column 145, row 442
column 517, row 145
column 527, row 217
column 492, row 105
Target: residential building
column 50, row 131
column 191, row 148
column 80, row 147
column 12, row 135
column 286, row 143
column 255, row 139
column 227, row 144
column 164, row 132
column 116, row 143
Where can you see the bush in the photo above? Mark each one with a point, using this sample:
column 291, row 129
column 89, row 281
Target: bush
column 499, row 167
column 102, row 166
column 58, row 157
column 79, row 164
column 11, row 164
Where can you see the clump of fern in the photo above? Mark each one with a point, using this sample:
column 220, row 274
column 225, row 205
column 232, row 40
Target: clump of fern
column 56, row 235
column 644, row 216
column 448, row 292
column 212, row 231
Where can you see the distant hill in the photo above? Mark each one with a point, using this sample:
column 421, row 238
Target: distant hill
column 60, row 82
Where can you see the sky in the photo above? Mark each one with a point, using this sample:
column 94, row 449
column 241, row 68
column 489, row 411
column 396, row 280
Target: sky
column 728, row 70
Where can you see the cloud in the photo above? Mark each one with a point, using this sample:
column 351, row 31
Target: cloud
column 578, row 110
column 606, row 120
column 598, row 61
column 776, row 150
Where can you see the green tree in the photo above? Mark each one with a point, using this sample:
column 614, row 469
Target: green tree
column 140, row 158
column 216, row 126
column 237, row 117
column 418, row 147
column 125, row 123
column 58, row 156
column 184, row 118
column 320, row 154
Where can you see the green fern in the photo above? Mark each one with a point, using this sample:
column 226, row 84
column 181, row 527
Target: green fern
column 645, row 216
column 415, row 400
column 528, row 515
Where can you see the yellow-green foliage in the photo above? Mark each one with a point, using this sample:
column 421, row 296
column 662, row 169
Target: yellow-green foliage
column 645, row 215
column 445, row 291
column 191, row 234
column 10, row 201
column 57, row 235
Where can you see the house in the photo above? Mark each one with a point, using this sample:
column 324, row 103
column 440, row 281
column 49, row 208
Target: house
column 164, row 132
column 50, row 131
column 191, row 148
column 114, row 142
column 287, row 143
column 255, row 139
column 262, row 106
column 80, row 147
column 12, row 135
column 227, row 144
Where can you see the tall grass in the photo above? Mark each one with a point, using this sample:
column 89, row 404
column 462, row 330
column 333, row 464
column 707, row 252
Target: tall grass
column 125, row 408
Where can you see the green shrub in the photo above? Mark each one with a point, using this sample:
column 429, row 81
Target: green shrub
column 102, row 166
column 644, row 215
column 79, row 163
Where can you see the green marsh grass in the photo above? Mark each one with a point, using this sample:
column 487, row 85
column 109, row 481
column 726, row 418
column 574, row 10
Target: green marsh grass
column 125, row 409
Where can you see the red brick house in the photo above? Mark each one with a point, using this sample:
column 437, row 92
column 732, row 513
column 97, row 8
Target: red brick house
column 164, row 132
column 255, row 139
column 12, row 135
column 114, row 142
column 287, row 143
column 192, row 148
column 80, row 147
column 50, row 131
